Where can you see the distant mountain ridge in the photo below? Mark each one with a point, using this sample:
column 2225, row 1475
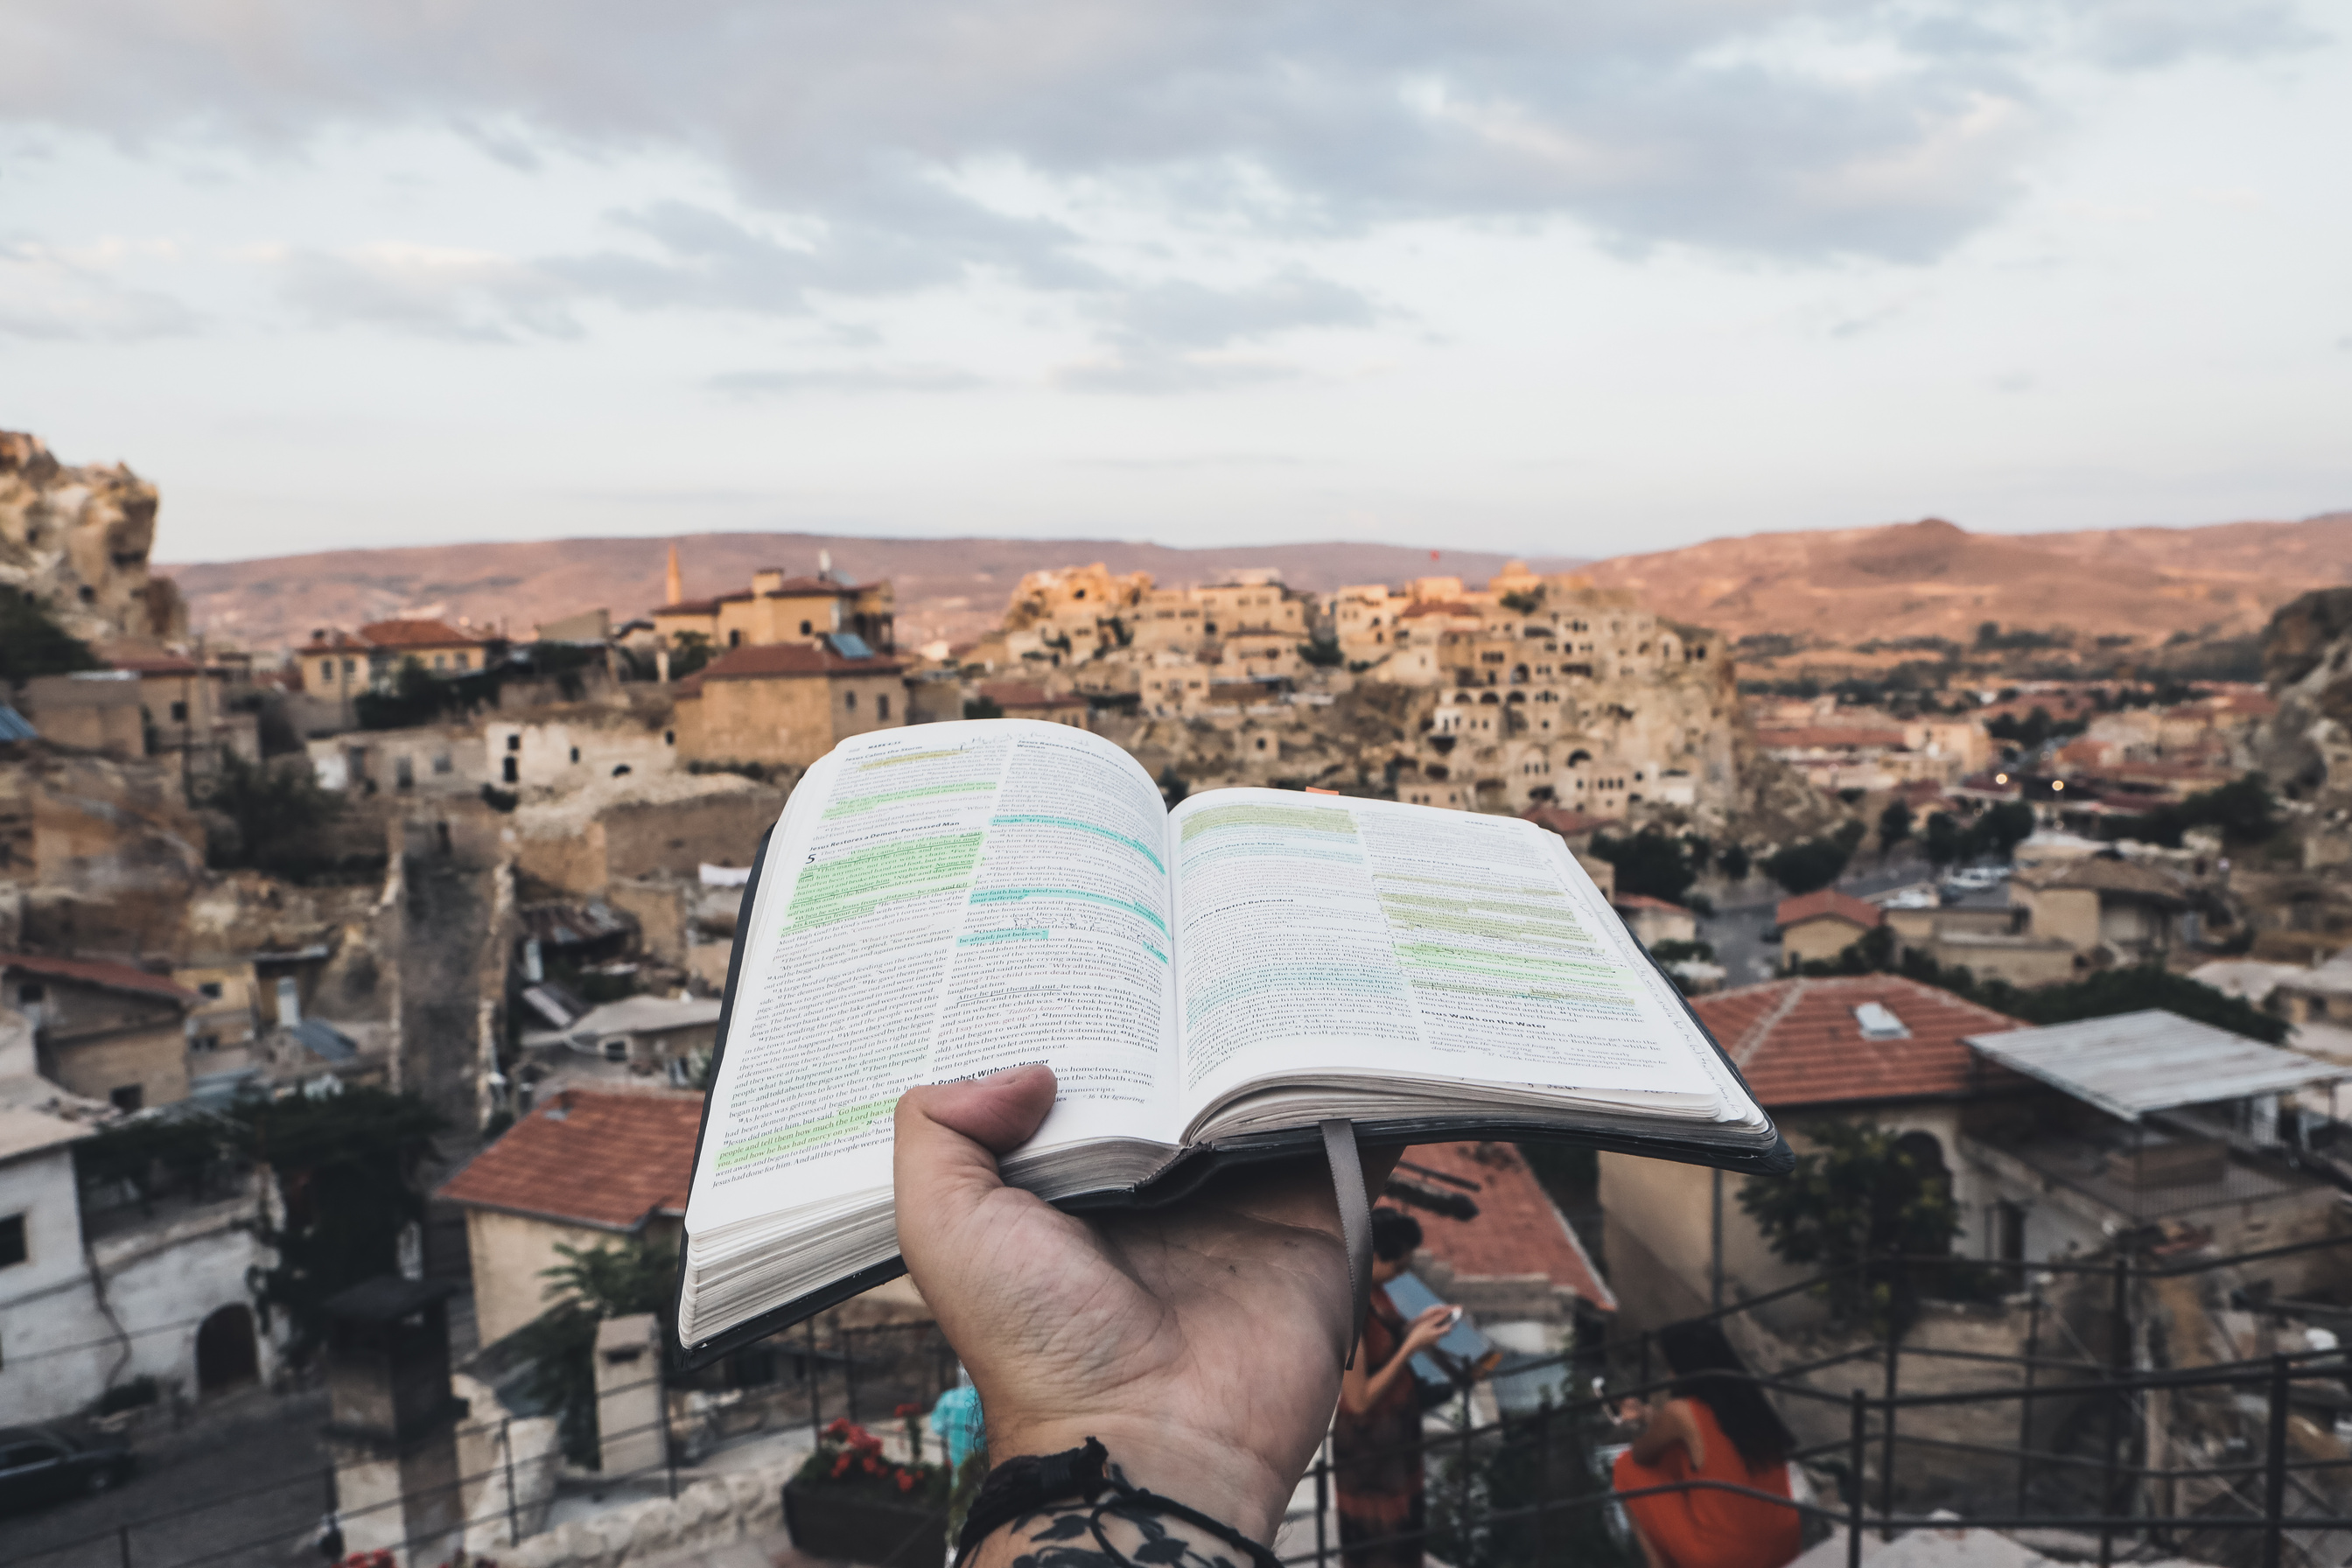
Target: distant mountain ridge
column 950, row 588
column 1833, row 588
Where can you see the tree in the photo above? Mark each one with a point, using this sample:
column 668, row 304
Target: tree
column 1734, row 862
column 587, row 1286
column 1944, row 839
column 2001, row 830
column 1893, row 825
column 417, row 696
column 2243, row 810
column 983, row 708
column 1803, row 867
column 1649, row 862
column 343, row 1166
column 32, row 644
column 1865, row 1192
column 1322, row 655
column 271, row 809
column 689, row 651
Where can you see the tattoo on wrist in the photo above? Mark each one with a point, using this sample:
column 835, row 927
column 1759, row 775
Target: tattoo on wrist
column 1115, row 1531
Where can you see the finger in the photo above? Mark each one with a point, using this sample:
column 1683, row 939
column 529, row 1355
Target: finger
column 948, row 1138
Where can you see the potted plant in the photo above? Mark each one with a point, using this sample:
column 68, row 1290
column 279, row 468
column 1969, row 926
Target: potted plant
column 852, row 1500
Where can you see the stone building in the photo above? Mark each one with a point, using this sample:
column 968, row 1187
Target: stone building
column 786, row 703
column 780, row 608
column 104, row 1030
column 1820, row 925
column 583, row 1170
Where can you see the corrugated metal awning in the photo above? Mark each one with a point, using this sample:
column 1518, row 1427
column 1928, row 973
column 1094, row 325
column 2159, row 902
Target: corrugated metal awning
column 2134, row 1063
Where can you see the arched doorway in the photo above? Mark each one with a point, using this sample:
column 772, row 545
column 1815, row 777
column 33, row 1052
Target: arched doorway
column 225, row 1353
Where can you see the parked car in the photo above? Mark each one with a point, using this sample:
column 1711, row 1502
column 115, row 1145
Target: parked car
column 40, row 1465
column 1909, row 898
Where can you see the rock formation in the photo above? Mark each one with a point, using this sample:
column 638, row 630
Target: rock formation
column 78, row 539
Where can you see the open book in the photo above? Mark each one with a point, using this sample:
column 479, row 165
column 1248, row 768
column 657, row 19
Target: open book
column 1208, row 984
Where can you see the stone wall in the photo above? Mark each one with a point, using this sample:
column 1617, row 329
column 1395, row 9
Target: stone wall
column 78, row 539
column 706, row 1514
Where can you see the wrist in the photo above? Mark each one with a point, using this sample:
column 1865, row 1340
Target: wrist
column 1204, row 1472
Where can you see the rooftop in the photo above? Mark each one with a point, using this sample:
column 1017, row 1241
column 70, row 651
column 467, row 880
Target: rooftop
column 417, row 634
column 1828, row 901
column 607, row 1161
column 1644, row 901
column 2134, row 1063
column 100, row 972
column 635, row 1015
column 767, row 661
column 1801, row 1042
column 1517, row 1231
column 24, row 1130
column 1566, row 823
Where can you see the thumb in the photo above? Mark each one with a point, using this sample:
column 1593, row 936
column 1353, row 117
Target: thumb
column 948, row 1136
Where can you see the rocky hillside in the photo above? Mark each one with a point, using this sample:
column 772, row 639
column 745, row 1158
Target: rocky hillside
column 1856, row 596
column 77, row 539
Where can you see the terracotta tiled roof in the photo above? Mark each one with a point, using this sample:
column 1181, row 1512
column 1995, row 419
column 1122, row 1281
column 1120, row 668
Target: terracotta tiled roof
column 687, row 607
column 1798, row 1043
column 331, row 638
column 1518, row 1230
column 603, row 1159
column 1828, row 901
column 807, row 587
column 1010, row 695
column 102, row 973
column 1644, row 901
column 769, row 661
column 1566, row 823
column 415, row 634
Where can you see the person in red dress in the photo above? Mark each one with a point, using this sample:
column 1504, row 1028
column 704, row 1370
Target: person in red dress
column 1709, row 1429
column 1376, row 1467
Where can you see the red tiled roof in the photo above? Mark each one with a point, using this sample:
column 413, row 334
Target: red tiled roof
column 1828, row 901
column 1798, row 1043
column 807, row 587
column 1011, row 694
column 1566, row 823
column 328, row 638
column 417, row 634
column 102, row 973
column 1644, row 901
column 687, row 607
column 603, row 1159
column 1518, row 1230
column 766, row 661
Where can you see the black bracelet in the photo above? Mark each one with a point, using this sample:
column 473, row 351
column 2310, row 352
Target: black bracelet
column 1022, row 1488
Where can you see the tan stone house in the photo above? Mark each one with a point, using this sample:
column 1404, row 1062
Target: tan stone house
column 104, row 1030
column 2101, row 901
column 1653, row 921
column 583, row 1170
column 785, row 703
column 1818, row 926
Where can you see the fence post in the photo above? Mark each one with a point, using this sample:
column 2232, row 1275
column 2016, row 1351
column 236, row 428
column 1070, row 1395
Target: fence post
column 2275, row 1468
column 1857, row 1455
column 816, row 1412
column 1886, row 1418
column 1322, row 1501
column 506, row 1441
column 2118, row 1360
column 2025, row 1405
column 1543, row 1478
column 848, row 1337
column 122, row 1540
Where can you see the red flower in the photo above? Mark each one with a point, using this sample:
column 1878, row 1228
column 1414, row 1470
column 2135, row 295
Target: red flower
column 905, row 1481
column 908, row 1410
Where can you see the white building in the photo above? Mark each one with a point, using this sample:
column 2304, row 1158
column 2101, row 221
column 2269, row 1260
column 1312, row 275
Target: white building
column 92, row 1301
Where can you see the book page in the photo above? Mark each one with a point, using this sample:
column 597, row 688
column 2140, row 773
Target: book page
column 1316, row 932
column 940, row 901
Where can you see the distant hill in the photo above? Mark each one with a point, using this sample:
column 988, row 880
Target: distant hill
column 1838, row 589
column 952, row 588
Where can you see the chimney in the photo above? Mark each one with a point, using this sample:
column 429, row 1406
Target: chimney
column 676, row 582
column 768, row 579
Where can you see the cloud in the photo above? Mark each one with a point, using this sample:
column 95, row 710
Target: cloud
column 1776, row 128
column 788, row 383
column 457, row 295
column 52, row 294
column 1152, row 372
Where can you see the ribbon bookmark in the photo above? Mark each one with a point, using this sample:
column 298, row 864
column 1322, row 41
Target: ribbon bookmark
column 1355, row 1223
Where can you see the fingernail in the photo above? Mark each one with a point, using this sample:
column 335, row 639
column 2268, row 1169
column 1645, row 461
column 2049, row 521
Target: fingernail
column 1002, row 1073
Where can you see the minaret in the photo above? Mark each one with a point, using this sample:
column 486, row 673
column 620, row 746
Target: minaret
column 676, row 583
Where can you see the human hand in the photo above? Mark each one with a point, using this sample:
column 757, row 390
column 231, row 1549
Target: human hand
column 1202, row 1344
column 1432, row 1325
column 1631, row 1411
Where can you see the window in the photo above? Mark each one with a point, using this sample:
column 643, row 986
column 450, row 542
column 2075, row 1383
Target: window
column 669, row 737
column 30, row 991
column 616, row 1049
column 204, row 1043
column 806, row 628
column 735, row 638
column 327, row 669
column 210, row 989
column 179, row 712
column 576, row 754
column 849, row 700
column 441, row 761
column 514, row 741
column 440, row 661
column 461, row 661
column 882, row 707
column 129, row 1097
column 351, row 666
column 13, row 1250
column 404, row 773
column 507, row 771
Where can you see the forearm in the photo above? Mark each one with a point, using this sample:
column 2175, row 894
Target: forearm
column 1083, row 1509
column 1203, row 1471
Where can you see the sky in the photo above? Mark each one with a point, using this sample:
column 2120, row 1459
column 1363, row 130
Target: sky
column 1549, row 279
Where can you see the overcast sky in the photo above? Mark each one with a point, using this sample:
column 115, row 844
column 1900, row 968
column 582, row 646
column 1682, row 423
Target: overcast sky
column 1573, row 277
